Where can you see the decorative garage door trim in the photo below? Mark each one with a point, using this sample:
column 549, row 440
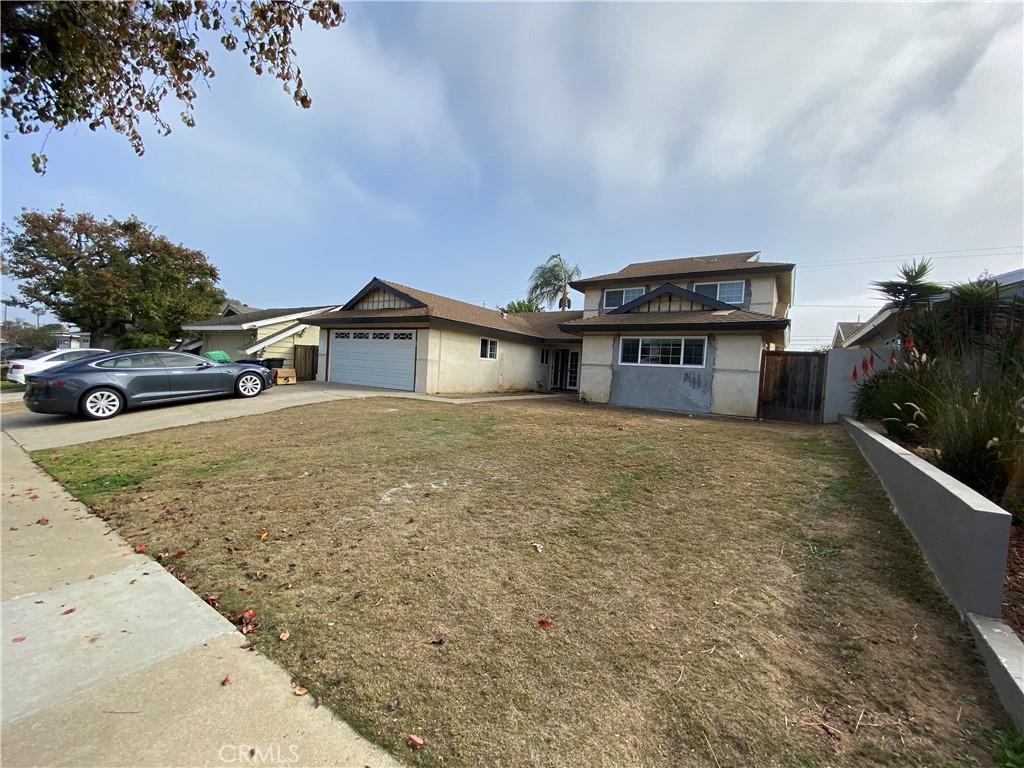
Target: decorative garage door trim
column 381, row 357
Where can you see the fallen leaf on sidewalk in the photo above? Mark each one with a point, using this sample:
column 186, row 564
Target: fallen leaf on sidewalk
column 18, row 639
column 92, row 575
column 33, row 497
column 43, row 521
column 414, row 741
column 285, row 635
column 226, row 680
column 66, row 612
column 12, row 528
column 318, row 703
column 133, row 581
column 300, row 691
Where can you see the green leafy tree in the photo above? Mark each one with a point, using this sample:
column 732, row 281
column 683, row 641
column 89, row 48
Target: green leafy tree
column 112, row 278
column 24, row 334
column 108, row 63
column 522, row 305
column 549, row 283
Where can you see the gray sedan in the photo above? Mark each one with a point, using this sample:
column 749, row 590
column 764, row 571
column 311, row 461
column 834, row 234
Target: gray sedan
column 101, row 387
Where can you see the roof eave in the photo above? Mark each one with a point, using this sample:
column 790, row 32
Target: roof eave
column 753, row 267
column 743, row 325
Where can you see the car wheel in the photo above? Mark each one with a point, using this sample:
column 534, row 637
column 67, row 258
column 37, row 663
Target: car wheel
column 102, row 403
column 248, row 385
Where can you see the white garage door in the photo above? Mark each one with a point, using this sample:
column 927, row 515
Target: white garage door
column 374, row 358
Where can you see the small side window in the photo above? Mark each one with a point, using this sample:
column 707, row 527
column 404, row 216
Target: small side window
column 489, row 349
column 544, row 356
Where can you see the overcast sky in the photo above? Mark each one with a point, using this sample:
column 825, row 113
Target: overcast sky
column 452, row 147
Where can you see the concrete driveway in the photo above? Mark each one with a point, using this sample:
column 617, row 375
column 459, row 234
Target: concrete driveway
column 39, row 431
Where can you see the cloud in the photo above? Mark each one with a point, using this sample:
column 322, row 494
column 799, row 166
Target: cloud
column 369, row 202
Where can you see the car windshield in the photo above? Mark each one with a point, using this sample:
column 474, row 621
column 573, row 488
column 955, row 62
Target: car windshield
column 41, row 355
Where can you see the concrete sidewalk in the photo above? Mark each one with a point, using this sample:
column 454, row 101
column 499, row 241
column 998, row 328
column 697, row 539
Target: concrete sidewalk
column 132, row 675
column 38, row 431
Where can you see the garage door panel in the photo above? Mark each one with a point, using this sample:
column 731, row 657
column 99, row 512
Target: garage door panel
column 374, row 358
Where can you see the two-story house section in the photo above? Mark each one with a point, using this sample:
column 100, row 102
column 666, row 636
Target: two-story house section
column 682, row 334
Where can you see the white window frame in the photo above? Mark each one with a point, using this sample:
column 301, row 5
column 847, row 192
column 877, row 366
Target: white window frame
column 604, row 295
column 682, row 349
column 718, row 288
column 489, row 342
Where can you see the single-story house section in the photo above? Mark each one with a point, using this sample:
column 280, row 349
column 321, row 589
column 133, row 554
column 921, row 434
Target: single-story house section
column 392, row 336
column 844, row 331
column 259, row 334
column 682, row 334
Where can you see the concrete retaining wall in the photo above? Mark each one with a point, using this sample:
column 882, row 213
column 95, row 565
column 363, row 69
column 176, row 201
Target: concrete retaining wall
column 963, row 536
column 1003, row 653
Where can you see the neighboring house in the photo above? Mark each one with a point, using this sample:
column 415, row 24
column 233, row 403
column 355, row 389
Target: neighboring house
column 879, row 332
column 843, row 332
column 257, row 334
column 681, row 334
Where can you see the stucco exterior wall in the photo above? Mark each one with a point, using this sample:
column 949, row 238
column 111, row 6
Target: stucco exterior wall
column 596, row 368
column 737, row 374
column 592, row 302
column 663, row 387
column 461, row 369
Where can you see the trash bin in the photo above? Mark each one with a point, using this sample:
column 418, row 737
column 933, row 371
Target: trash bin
column 218, row 356
column 273, row 362
column 254, row 362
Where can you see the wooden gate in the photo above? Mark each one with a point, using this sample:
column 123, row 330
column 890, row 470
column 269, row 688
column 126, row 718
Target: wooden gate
column 792, row 386
column 305, row 361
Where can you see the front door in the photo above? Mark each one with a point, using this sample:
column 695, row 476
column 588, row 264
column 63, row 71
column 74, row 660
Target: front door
column 565, row 369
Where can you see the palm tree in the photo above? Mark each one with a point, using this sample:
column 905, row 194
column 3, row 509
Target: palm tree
column 550, row 282
column 913, row 291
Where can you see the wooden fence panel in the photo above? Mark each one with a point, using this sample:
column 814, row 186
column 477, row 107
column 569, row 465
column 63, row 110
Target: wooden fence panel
column 792, row 386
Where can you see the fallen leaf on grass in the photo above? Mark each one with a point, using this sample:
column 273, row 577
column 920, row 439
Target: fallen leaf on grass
column 436, row 641
column 181, row 553
column 66, row 612
column 284, row 635
column 18, row 639
column 213, row 600
column 544, row 624
column 319, row 702
column 393, row 704
column 300, row 691
column 414, row 741
column 140, row 548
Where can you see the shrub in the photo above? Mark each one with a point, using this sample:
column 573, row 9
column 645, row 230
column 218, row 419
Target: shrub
column 977, row 438
column 894, row 397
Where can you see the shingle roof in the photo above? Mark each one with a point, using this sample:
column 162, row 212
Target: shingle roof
column 250, row 317
column 845, row 329
column 729, row 319
column 666, row 268
column 539, row 325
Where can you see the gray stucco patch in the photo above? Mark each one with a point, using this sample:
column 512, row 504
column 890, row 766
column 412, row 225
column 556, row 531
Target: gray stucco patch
column 665, row 388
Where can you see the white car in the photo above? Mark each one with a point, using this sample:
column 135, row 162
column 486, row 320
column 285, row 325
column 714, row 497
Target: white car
column 18, row 368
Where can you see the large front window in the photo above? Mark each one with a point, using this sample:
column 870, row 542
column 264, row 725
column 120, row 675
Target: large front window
column 616, row 297
column 730, row 293
column 663, row 350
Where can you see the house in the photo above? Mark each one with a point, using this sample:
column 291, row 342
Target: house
column 257, row 334
column 680, row 334
column 397, row 337
column 843, row 331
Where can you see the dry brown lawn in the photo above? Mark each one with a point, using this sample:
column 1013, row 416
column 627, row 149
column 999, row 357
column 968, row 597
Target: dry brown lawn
column 719, row 593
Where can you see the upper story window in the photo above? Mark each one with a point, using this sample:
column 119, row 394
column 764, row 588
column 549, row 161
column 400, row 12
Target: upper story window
column 730, row 293
column 616, row 297
column 489, row 349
